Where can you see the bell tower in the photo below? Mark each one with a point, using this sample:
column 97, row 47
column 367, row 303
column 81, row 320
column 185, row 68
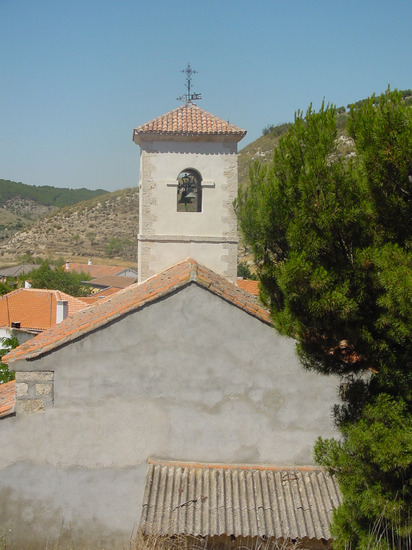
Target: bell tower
column 188, row 182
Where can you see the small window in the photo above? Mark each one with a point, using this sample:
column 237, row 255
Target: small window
column 189, row 191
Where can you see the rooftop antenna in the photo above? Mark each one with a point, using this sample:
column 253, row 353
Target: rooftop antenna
column 189, row 97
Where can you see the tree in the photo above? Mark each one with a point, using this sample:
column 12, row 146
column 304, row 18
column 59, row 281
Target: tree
column 116, row 246
column 373, row 465
column 5, row 288
column 58, row 279
column 331, row 238
column 243, row 270
column 7, row 344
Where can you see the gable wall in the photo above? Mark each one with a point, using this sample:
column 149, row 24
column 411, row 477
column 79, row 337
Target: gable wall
column 187, row 378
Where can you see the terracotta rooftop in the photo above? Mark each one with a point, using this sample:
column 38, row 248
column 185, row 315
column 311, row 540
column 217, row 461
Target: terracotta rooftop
column 187, row 120
column 34, row 308
column 93, row 298
column 94, row 270
column 238, row 500
column 7, row 398
column 134, row 297
column 112, row 281
column 249, row 285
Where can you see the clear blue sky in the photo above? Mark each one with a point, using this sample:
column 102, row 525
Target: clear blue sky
column 78, row 75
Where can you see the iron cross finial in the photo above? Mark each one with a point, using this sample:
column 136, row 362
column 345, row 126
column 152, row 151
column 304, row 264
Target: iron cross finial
column 189, row 97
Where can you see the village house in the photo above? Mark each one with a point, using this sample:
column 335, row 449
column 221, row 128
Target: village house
column 13, row 273
column 172, row 405
column 105, row 279
column 97, row 271
column 26, row 312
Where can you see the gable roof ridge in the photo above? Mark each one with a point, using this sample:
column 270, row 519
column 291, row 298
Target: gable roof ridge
column 58, row 294
column 194, row 270
column 35, row 308
column 133, row 298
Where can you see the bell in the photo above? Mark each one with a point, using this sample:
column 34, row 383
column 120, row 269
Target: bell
column 191, row 195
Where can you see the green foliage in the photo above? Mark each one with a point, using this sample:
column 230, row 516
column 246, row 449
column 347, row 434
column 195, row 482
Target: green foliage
column 373, row 465
column 331, row 238
column 117, row 246
column 243, row 270
column 403, row 94
column 92, row 237
column 58, row 279
column 7, row 344
column 276, row 130
column 5, row 288
column 76, row 238
column 45, row 194
column 325, row 235
column 26, row 259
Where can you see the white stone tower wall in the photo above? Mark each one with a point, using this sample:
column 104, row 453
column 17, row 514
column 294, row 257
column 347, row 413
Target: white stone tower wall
column 167, row 236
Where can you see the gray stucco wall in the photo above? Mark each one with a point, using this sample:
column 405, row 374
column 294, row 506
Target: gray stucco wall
column 189, row 378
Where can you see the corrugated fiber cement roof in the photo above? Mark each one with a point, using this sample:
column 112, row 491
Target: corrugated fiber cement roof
column 239, row 500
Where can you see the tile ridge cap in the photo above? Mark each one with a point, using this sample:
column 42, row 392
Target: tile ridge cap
column 193, row 270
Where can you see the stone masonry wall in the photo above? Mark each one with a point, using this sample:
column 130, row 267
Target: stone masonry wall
column 34, row 391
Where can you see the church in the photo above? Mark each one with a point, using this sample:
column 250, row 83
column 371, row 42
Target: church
column 173, row 406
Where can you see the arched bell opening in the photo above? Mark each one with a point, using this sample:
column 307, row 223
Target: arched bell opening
column 189, row 191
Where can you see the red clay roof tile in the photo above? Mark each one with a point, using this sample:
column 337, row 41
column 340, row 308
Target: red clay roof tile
column 249, row 286
column 7, row 398
column 97, row 296
column 188, row 120
column 95, row 270
column 134, row 297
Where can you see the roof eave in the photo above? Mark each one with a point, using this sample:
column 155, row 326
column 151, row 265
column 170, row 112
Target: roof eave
column 140, row 137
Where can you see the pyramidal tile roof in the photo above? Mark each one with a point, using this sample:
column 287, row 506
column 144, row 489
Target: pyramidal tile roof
column 34, row 308
column 131, row 299
column 188, row 120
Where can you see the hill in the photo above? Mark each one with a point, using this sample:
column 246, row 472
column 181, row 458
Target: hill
column 21, row 204
column 262, row 148
column 106, row 226
column 17, row 193
column 101, row 227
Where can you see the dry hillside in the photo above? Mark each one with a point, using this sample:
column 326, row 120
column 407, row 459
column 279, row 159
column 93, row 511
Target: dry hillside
column 106, row 227
column 97, row 228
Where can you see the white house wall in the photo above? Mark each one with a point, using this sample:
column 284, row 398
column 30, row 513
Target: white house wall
column 187, row 378
column 21, row 335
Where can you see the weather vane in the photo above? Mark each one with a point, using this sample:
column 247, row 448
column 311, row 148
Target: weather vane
column 189, row 97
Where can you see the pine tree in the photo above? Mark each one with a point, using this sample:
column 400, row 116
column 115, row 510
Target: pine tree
column 332, row 243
